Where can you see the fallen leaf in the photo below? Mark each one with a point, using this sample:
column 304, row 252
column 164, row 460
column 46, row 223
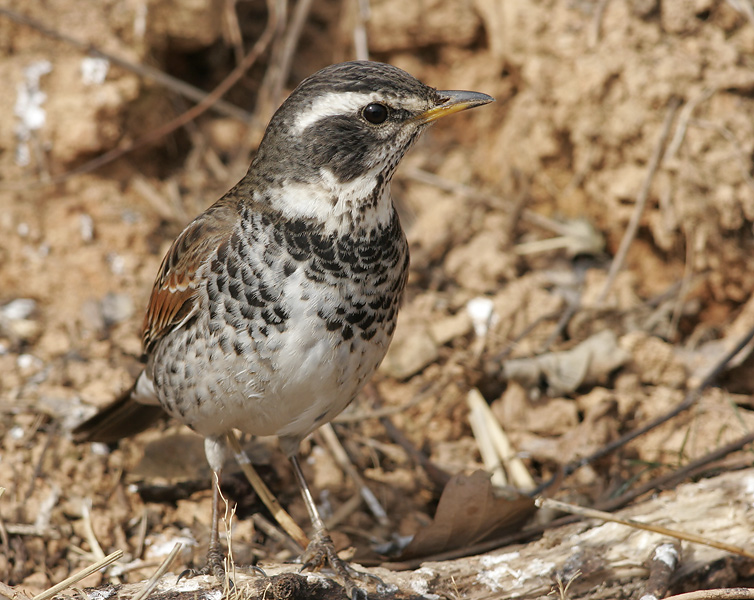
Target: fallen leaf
column 564, row 372
column 470, row 510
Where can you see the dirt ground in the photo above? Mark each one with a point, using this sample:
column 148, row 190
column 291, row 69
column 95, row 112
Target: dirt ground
column 581, row 256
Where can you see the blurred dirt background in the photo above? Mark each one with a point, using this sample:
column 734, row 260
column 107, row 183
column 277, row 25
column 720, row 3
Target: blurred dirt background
column 516, row 213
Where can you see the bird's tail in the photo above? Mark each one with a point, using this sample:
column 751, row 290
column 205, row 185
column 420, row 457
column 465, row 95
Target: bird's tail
column 121, row 418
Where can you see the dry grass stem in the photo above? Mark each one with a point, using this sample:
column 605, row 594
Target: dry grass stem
column 151, row 583
column 729, row 594
column 495, row 445
column 591, row 513
column 341, row 457
column 641, row 201
column 176, row 85
column 281, row 516
column 69, row 581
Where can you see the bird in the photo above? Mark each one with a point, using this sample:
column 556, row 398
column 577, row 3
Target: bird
column 273, row 308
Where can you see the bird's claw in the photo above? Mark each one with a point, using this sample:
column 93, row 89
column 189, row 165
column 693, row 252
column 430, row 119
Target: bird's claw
column 321, row 552
column 215, row 566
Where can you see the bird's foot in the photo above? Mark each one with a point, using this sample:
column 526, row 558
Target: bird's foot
column 321, row 552
column 215, row 566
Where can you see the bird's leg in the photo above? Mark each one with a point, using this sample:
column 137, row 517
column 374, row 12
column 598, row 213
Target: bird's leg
column 214, row 448
column 215, row 561
column 321, row 549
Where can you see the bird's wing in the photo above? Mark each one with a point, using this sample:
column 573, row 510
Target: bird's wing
column 175, row 291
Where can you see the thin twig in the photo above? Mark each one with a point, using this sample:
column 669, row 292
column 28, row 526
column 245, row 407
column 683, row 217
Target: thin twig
column 591, row 513
column 689, row 401
column 685, row 472
column 8, row 592
column 259, row 47
column 478, row 422
column 161, row 570
column 272, row 532
column 438, row 476
column 267, row 497
column 167, row 81
column 467, row 191
column 641, row 202
column 662, row 566
column 69, row 581
column 266, row 96
column 94, row 545
column 729, row 594
column 519, row 475
column 360, row 40
column 234, row 35
column 290, row 43
column 344, row 511
column 594, row 30
column 743, row 159
column 684, row 116
column 341, row 457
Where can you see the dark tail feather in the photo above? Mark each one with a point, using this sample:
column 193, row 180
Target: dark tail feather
column 121, row 418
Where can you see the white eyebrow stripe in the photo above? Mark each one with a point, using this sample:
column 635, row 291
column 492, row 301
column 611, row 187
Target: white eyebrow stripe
column 329, row 105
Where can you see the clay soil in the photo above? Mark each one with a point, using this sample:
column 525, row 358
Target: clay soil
column 612, row 118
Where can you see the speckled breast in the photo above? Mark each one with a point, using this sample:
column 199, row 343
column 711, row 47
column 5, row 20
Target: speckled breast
column 292, row 323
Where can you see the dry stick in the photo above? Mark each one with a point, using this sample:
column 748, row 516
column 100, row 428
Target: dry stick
column 173, row 84
column 344, row 511
column 662, row 565
column 438, row 477
column 8, row 592
column 533, row 531
column 86, row 516
column 290, row 43
column 436, row 474
column 356, row 416
column 360, row 40
column 641, row 202
column 687, row 403
column 593, row 34
column 259, row 47
column 478, row 421
column 743, row 159
column 519, row 475
column 729, row 594
column 685, row 472
column 234, row 29
column 272, row 532
column 591, row 513
column 469, row 192
column 265, row 101
column 3, row 532
column 141, row 534
column 161, row 570
column 282, row 517
column 42, row 456
column 686, row 279
column 343, row 460
column 684, row 116
column 68, row 582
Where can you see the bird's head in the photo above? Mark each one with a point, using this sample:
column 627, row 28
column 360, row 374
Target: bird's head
column 346, row 128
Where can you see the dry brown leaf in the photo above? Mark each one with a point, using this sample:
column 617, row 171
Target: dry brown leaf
column 589, row 362
column 470, row 510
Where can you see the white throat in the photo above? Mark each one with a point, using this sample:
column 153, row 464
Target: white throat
column 336, row 204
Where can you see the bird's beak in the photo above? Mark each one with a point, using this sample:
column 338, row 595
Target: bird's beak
column 453, row 102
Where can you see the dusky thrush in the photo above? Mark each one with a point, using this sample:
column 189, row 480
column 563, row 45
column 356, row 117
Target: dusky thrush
column 273, row 307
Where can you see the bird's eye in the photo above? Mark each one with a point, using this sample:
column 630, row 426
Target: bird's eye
column 375, row 113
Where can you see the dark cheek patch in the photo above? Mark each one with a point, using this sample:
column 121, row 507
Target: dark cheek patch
column 342, row 144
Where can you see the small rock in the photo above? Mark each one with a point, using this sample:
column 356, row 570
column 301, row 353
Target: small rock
column 116, row 308
column 18, row 309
